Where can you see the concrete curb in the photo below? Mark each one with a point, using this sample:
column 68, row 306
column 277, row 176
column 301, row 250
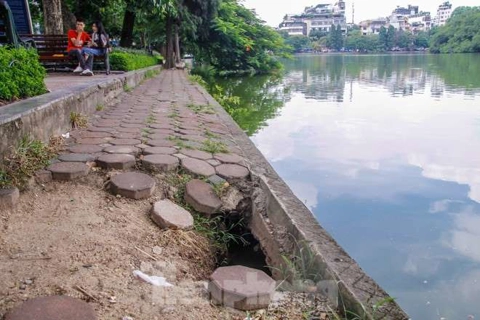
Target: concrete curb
column 49, row 114
column 278, row 215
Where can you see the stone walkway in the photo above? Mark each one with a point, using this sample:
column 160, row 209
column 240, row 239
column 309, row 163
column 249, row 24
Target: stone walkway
column 164, row 124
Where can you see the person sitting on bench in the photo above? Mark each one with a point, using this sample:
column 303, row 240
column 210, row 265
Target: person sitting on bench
column 76, row 40
column 95, row 47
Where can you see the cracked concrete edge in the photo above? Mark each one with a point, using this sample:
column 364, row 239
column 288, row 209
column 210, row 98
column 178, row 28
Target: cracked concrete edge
column 283, row 213
column 49, row 114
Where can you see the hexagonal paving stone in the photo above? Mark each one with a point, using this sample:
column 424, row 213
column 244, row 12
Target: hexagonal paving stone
column 9, row 198
column 93, row 134
column 161, row 143
column 53, row 308
column 91, row 141
column 241, row 288
column 133, row 185
column 159, row 150
column 77, row 157
column 160, row 162
column 128, row 130
column 127, row 135
column 167, row 214
column 229, row 158
column 122, row 150
column 100, row 129
column 198, row 167
column 232, row 171
column 116, row 161
column 68, row 170
column 125, row 142
column 214, row 162
column 201, row 196
column 197, row 154
column 85, row 149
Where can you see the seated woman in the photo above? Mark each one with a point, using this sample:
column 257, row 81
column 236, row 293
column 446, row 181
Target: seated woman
column 96, row 47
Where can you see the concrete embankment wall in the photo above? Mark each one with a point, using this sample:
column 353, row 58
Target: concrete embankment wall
column 280, row 222
column 49, row 115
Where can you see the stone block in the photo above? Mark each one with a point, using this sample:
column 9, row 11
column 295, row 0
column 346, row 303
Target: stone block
column 167, row 214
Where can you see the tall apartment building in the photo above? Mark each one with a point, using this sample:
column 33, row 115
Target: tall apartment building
column 444, row 12
column 319, row 17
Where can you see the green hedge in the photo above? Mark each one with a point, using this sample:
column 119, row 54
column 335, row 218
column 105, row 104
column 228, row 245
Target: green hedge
column 128, row 61
column 21, row 75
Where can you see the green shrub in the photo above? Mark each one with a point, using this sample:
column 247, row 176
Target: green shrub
column 21, row 75
column 128, row 60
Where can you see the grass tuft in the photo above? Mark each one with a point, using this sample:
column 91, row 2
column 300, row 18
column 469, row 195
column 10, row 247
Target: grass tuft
column 100, row 107
column 213, row 146
column 78, row 120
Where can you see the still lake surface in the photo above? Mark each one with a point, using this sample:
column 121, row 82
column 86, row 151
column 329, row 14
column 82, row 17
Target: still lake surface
column 385, row 151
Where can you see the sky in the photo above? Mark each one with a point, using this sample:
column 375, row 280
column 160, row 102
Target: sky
column 272, row 11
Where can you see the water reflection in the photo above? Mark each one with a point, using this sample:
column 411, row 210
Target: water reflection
column 385, row 150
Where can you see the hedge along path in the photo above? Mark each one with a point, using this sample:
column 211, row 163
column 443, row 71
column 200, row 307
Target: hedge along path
column 165, row 119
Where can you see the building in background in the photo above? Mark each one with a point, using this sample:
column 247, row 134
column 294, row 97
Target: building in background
column 373, row 26
column 319, row 17
column 444, row 12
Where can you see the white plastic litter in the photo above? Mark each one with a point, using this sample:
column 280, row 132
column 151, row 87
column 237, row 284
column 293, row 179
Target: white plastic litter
column 66, row 135
column 156, row 281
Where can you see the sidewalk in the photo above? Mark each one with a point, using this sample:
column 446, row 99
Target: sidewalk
column 57, row 81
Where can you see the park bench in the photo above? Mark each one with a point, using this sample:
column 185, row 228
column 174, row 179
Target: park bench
column 52, row 51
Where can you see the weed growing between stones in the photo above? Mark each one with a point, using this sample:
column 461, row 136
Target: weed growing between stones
column 27, row 158
column 378, row 311
column 178, row 182
column 221, row 189
column 173, row 115
column 212, row 146
column 179, row 142
column 151, row 119
column 198, row 108
column 78, row 120
column 146, row 131
column 210, row 134
column 127, row 88
column 100, row 107
column 197, row 79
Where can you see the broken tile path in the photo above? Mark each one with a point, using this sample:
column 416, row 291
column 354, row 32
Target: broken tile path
column 161, row 126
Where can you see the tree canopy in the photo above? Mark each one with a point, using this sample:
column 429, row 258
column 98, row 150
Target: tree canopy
column 461, row 34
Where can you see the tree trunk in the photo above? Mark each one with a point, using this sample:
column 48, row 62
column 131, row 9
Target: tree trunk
column 169, row 60
column 178, row 56
column 127, row 30
column 52, row 12
column 68, row 18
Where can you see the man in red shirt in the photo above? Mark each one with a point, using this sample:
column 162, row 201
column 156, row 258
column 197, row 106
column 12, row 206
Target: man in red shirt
column 76, row 39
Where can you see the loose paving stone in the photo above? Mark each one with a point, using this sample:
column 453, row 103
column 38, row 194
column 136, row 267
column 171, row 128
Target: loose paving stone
column 9, row 198
column 116, row 161
column 122, row 150
column 133, row 185
column 167, row 214
column 43, row 176
column 232, row 171
column 76, row 157
column 201, row 196
column 159, row 150
column 85, row 149
column 125, row 142
column 198, row 167
column 160, row 143
column 160, row 162
column 216, row 180
column 241, row 288
column 67, row 171
column 214, row 162
column 197, row 154
column 53, row 308
column 91, row 141
column 229, row 158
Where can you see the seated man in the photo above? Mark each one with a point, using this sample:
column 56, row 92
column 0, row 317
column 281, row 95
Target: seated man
column 76, row 39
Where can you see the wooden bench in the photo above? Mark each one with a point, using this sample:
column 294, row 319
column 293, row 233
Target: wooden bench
column 52, row 50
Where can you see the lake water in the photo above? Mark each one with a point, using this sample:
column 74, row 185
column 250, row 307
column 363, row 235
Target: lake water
column 385, row 151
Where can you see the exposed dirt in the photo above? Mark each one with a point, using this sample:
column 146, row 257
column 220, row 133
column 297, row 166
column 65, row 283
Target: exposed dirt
column 69, row 237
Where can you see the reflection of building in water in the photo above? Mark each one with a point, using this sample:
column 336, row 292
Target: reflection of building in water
column 319, row 17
